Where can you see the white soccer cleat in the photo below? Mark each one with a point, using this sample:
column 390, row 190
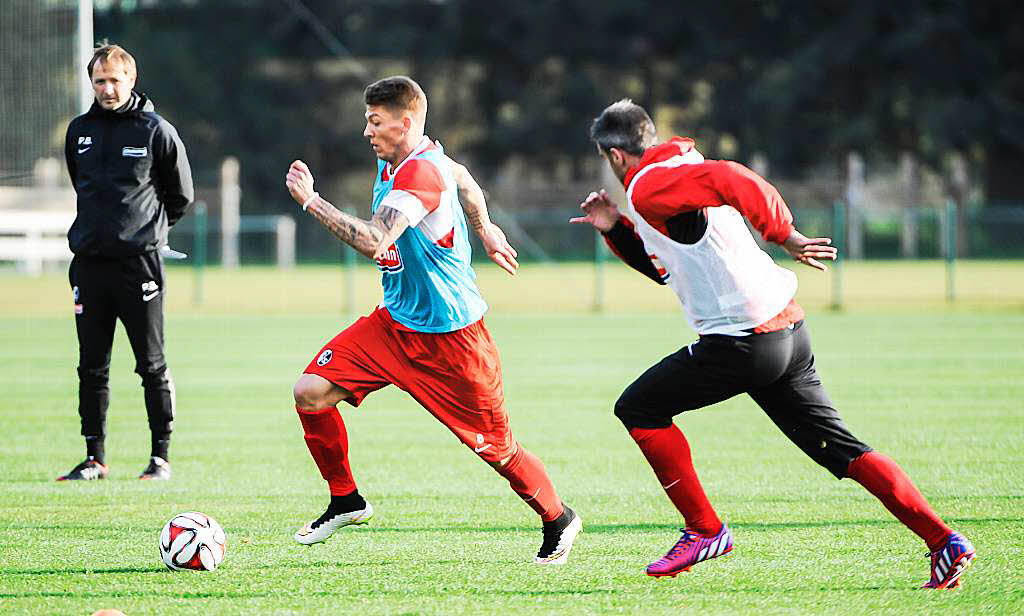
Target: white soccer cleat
column 323, row 527
column 558, row 541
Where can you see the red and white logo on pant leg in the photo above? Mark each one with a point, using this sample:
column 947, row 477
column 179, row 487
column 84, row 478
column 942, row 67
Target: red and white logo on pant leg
column 662, row 272
column 391, row 262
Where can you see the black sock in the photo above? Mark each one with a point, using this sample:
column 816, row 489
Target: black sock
column 563, row 520
column 160, row 446
column 94, row 448
column 349, row 502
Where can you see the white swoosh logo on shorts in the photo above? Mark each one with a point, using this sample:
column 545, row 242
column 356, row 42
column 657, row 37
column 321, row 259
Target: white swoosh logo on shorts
column 150, row 296
column 484, row 448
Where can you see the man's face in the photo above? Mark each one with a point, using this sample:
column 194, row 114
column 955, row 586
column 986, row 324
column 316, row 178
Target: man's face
column 111, row 83
column 386, row 131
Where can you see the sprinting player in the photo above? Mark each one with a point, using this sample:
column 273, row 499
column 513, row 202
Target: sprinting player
column 427, row 336
column 683, row 227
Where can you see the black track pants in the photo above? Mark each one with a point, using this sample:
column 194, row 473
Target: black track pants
column 130, row 289
column 775, row 369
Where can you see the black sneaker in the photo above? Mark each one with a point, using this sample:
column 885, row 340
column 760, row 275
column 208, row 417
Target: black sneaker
column 88, row 470
column 158, row 469
column 558, row 537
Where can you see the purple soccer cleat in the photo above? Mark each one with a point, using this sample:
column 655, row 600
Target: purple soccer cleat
column 950, row 561
column 691, row 549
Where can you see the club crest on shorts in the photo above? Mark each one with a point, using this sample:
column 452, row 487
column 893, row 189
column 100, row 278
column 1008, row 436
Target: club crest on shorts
column 391, row 262
column 324, row 358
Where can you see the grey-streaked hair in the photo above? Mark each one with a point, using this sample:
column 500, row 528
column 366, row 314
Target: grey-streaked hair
column 624, row 125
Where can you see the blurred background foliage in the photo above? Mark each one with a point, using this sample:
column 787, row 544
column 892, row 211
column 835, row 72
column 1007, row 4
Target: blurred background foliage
column 802, row 82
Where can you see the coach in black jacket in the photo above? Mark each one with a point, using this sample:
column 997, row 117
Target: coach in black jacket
column 133, row 180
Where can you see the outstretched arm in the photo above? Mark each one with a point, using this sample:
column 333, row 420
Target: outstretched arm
column 663, row 193
column 601, row 213
column 474, row 205
column 366, row 236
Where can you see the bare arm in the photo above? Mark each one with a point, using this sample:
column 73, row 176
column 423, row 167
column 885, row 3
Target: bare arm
column 366, row 236
column 474, row 204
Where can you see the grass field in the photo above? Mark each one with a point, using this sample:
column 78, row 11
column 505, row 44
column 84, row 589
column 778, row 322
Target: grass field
column 937, row 387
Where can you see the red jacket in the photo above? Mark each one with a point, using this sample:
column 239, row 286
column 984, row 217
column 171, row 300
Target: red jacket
column 662, row 193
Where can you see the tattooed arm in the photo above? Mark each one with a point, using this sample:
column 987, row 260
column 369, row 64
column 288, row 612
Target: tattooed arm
column 475, row 206
column 369, row 237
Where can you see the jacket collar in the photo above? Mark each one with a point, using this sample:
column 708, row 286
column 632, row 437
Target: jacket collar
column 136, row 102
column 676, row 146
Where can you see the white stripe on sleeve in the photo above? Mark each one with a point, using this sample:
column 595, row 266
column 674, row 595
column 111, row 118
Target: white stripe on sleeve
column 406, row 203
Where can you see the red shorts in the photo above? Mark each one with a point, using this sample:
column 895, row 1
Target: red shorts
column 454, row 375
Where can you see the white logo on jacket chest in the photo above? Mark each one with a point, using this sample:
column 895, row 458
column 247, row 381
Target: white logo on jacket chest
column 84, row 141
column 131, row 152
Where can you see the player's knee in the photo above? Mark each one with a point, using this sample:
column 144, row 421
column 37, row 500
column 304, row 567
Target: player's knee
column 312, row 392
column 635, row 415
column 306, row 396
column 156, row 378
column 151, row 369
column 94, row 377
column 626, row 411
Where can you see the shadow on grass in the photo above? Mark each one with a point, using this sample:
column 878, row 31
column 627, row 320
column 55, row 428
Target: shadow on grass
column 612, row 528
column 83, row 571
column 405, row 593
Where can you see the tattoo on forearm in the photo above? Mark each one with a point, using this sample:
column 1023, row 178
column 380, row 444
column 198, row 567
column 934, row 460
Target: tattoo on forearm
column 473, row 216
column 387, row 217
column 356, row 232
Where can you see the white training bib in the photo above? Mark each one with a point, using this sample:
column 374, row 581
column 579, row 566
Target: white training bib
column 725, row 282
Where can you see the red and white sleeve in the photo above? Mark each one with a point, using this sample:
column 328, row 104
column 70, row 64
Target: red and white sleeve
column 663, row 192
column 416, row 191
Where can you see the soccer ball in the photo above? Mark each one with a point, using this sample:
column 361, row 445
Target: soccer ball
column 192, row 540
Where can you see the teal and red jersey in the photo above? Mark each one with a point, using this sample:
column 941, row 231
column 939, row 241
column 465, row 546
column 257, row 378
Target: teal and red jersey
column 429, row 284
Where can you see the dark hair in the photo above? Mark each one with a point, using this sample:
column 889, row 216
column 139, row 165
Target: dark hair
column 398, row 93
column 623, row 125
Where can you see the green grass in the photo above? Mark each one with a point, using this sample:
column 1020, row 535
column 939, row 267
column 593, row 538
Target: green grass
column 938, row 388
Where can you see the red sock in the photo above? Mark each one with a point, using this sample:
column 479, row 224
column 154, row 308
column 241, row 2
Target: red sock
column 525, row 473
column 881, row 476
column 328, row 443
column 668, row 453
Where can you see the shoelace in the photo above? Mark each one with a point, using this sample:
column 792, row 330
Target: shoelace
column 684, row 541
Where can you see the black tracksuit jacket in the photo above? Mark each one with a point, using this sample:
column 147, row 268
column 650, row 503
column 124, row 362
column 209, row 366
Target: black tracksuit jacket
column 132, row 177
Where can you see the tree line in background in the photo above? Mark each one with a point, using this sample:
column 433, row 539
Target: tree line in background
column 802, row 82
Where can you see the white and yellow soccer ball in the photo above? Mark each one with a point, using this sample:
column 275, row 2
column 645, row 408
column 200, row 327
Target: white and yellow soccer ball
column 194, row 541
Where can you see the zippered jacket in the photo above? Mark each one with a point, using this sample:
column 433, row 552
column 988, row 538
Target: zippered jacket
column 132, row 176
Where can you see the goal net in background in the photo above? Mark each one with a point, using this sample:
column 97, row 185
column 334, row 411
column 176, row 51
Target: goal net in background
column 39, row 94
